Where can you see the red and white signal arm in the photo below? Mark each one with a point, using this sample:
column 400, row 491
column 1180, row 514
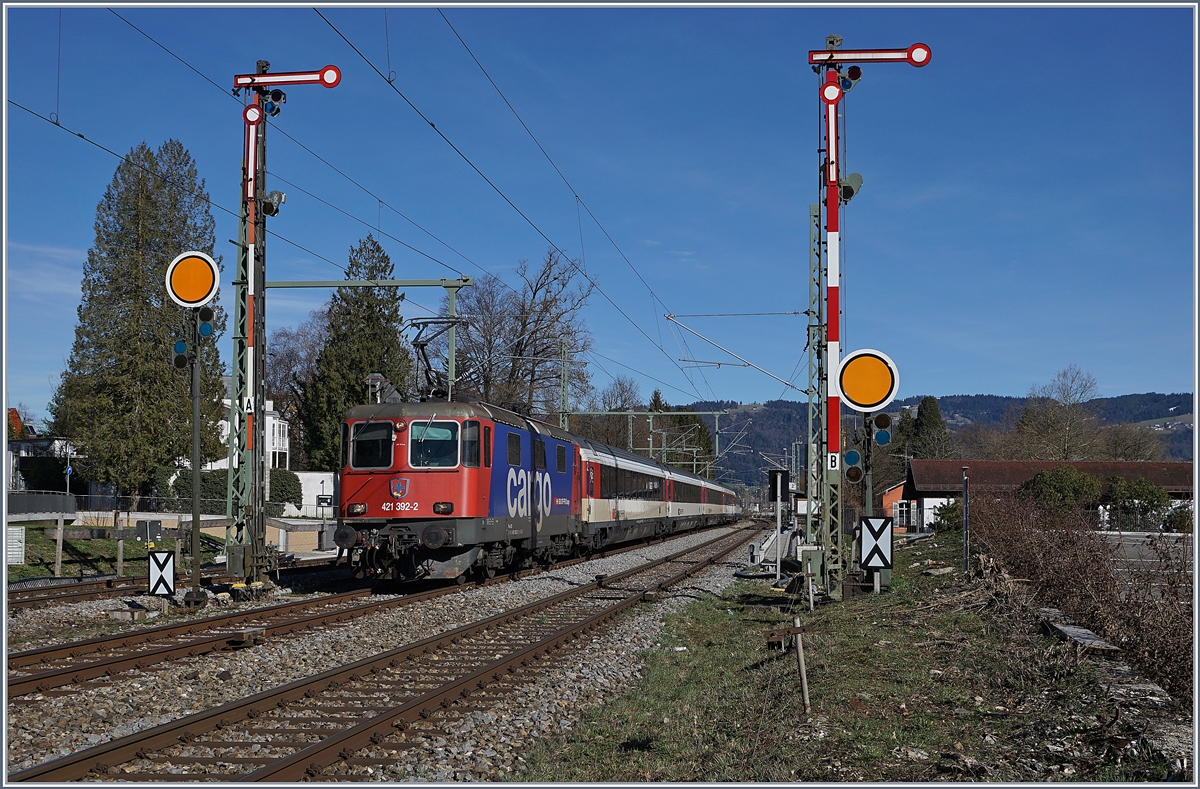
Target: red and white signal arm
column 917, row 55
column 193, row 279
column 329, row 76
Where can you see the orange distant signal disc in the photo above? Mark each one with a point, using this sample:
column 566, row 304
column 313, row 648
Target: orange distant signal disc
column 868, row 380
column 192, row 279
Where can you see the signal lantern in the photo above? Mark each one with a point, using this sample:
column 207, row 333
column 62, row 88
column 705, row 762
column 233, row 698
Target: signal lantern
column 849, row 186
column 853, row 471
column 181, row 354
column 271, row 203
column 883, row 433
column 274, row 99
column 850, row 77
column 204, row 319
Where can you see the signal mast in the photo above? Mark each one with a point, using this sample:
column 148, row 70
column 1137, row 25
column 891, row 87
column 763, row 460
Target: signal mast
column 841, row 71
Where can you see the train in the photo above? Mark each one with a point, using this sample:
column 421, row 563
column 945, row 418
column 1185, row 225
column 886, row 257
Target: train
column 453, row 490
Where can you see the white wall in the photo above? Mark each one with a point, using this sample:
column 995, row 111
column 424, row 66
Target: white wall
column 310, row 488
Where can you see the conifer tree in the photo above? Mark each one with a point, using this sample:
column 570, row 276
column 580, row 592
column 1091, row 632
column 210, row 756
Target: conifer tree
column 931, row 439
column 121, row 401
column 362, row 337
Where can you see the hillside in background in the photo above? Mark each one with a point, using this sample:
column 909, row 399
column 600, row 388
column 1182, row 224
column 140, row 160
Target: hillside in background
column 758, row 429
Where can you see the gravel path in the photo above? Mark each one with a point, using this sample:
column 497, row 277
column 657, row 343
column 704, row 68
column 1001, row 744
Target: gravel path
column 137, row 700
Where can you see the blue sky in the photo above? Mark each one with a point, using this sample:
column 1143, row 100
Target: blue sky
column 1028, row 200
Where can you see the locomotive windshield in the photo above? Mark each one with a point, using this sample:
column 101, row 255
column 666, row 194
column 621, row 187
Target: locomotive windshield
column 372, row 445
column 433, row 445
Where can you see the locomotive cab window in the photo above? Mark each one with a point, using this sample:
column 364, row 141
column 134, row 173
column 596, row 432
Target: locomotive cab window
column 372, row 445
column 433, row 445
column 470, row 444
column 345, row 448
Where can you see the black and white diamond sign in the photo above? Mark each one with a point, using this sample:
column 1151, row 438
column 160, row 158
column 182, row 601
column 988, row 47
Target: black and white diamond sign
column 162, row 573
column 876, row 543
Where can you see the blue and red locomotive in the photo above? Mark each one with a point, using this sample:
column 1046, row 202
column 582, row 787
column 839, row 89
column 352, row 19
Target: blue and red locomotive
column 448, row 489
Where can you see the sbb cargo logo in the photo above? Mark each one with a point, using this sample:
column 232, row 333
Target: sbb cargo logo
column 523, row 487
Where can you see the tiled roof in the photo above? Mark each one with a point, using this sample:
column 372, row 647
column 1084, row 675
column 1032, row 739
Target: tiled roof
column 935, row 478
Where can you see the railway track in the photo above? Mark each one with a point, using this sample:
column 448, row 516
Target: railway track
column 66, row 669
column 361, row 713
column 84, row 591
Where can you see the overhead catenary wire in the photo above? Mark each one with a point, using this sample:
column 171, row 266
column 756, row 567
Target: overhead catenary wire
column 330, row 165
column 506, row 199
column 168, row 182
column 578, row 200
column 384, row 203
column 318, row 157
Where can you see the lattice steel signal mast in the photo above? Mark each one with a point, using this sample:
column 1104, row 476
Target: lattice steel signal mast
column 245, row 539
column 827, row 337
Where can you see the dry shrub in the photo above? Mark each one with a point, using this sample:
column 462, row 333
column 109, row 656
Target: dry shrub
column 1146, row 610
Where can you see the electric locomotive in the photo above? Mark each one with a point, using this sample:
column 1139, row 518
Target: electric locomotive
column 447, row 489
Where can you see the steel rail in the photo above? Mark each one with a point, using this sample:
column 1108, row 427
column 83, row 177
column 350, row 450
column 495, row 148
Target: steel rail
column 186, row 729
column 84, row 591
column 74, row 673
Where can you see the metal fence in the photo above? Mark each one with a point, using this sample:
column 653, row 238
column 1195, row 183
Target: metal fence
column 22, row 502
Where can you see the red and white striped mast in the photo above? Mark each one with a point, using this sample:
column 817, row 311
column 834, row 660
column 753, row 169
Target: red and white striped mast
column 831, row 92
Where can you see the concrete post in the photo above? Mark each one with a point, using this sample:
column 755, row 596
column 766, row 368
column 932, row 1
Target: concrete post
column 58, row 548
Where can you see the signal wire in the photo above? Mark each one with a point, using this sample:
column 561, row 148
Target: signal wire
column 506, row 199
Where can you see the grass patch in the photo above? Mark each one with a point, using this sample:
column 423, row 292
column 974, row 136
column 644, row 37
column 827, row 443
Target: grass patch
column 82, row 558
column 928, row 682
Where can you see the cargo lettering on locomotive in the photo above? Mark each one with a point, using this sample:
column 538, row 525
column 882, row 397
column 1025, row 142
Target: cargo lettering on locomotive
column 520, row 497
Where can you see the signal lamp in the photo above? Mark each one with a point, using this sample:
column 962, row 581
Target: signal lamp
column 205, row 316
column 180, row 359
column 271, row 203
column 850, row 77
column 850, row 186
column 883, row 437
column 882, row 421
column 854, row 469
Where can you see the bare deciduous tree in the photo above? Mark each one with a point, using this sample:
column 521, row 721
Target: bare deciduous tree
column 1129, row 442
column 1058, row 423
column 510, row 351
column 291, row 364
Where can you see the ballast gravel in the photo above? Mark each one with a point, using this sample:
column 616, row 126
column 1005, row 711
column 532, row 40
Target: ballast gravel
column 482, row 746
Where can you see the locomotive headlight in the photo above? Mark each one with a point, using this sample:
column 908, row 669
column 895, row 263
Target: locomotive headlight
column 443, row 508
column 359, row 508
